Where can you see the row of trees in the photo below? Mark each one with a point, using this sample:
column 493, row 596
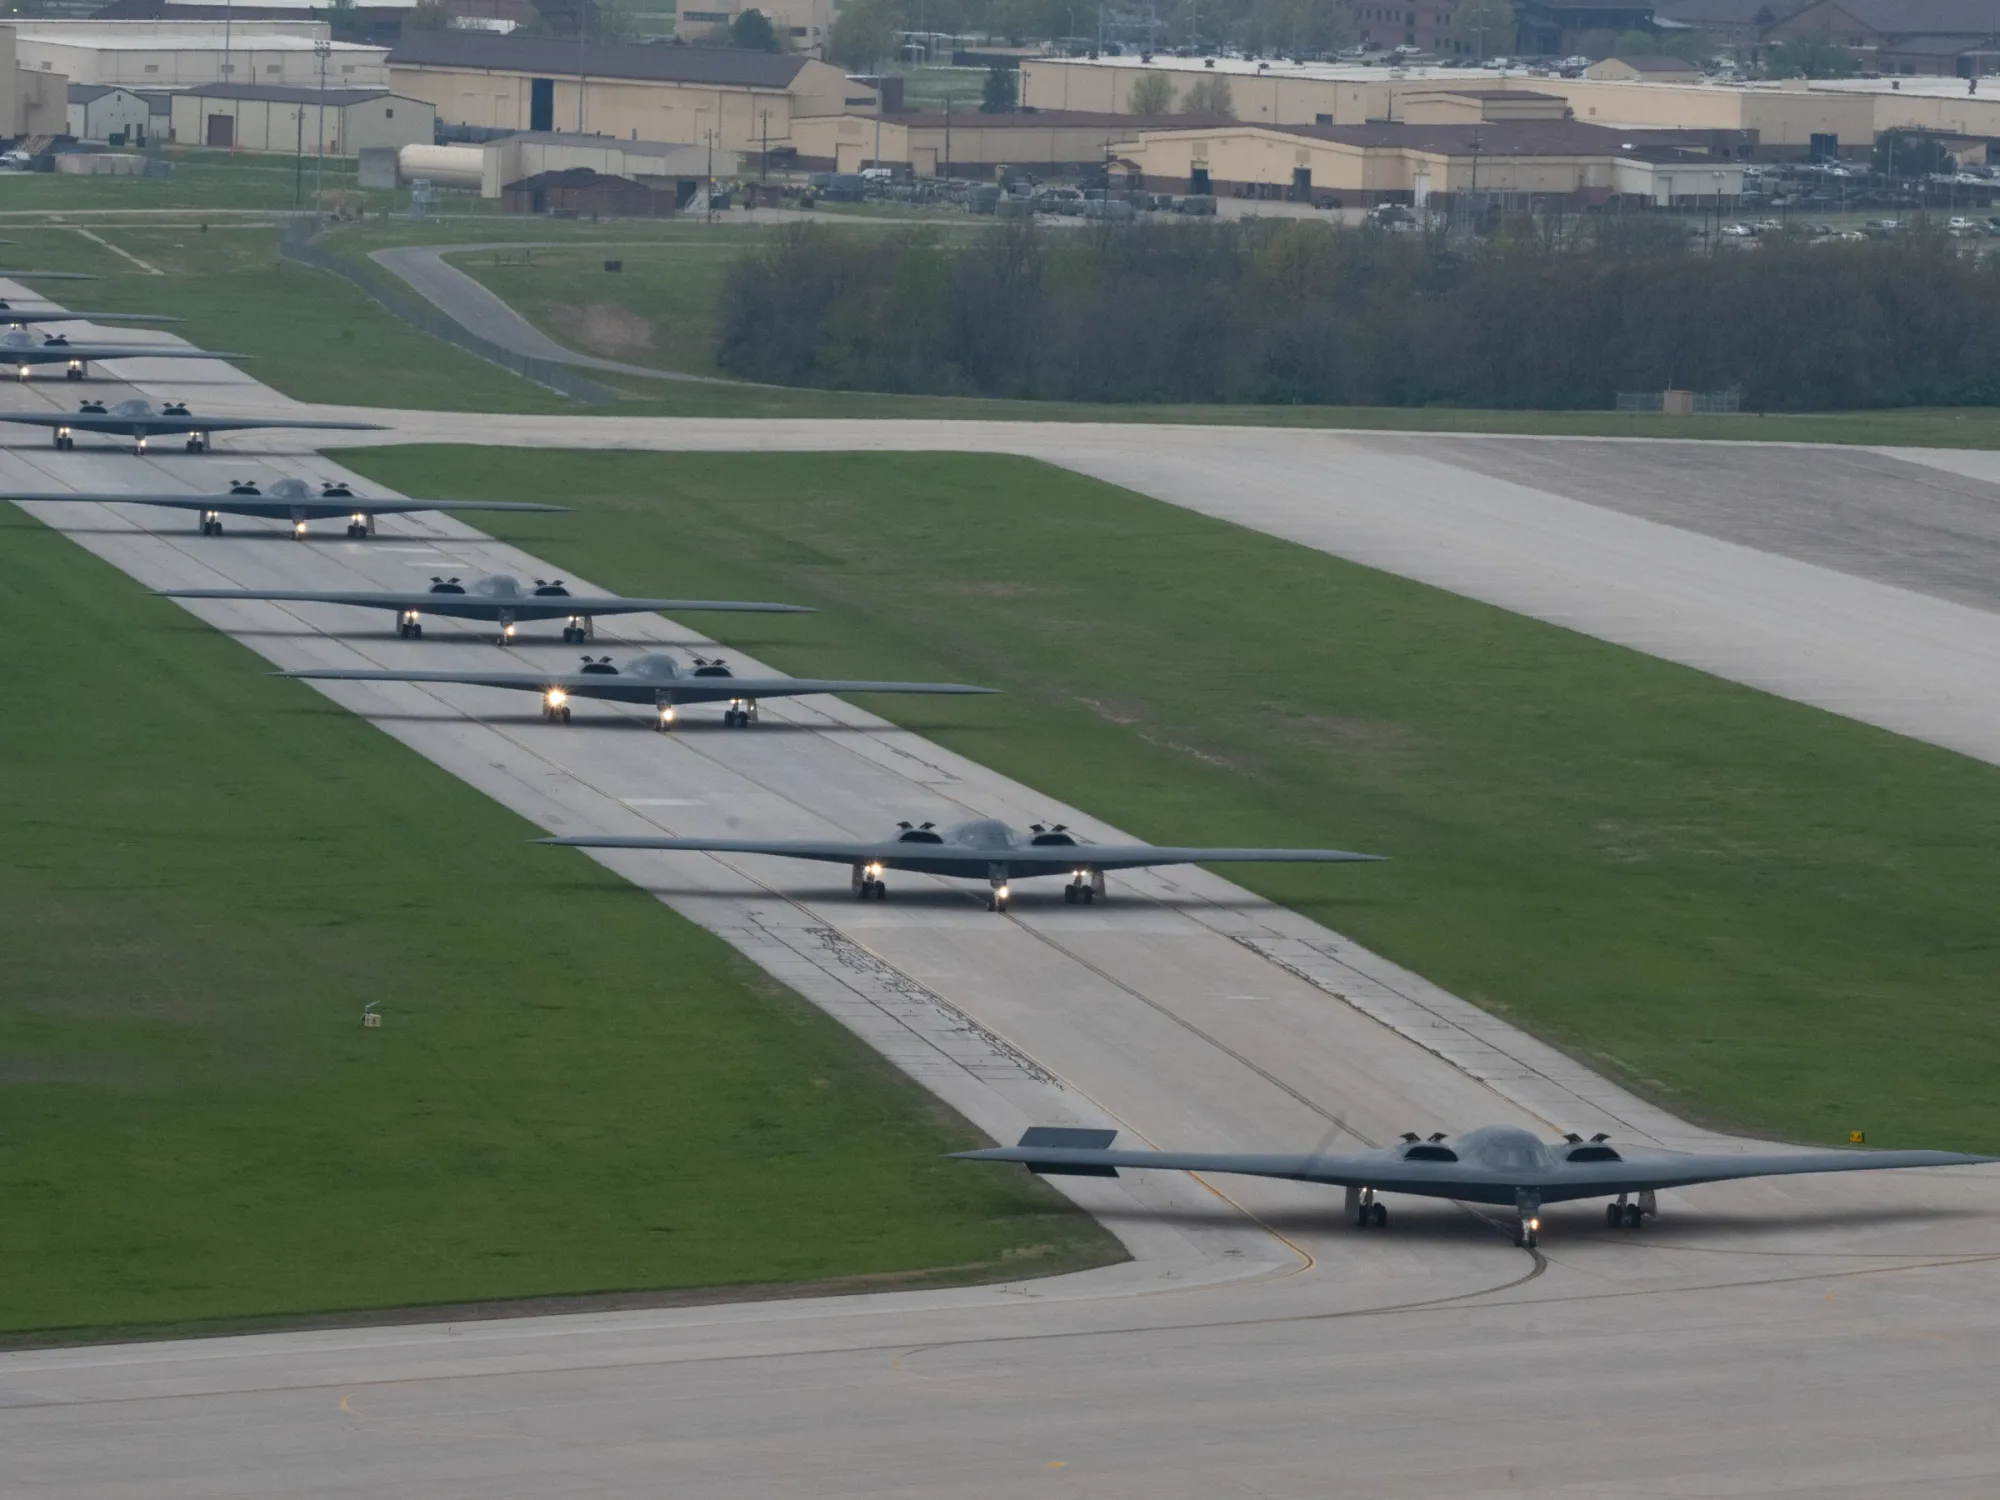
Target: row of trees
column 1299, row 311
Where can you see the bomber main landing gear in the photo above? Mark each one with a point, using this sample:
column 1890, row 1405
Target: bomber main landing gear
column 740, row 714
column 578, row 630
column 868, row 882
column 1631, row 1215
column 1084, row 887
column 197, row 442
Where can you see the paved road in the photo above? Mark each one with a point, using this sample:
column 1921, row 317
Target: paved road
column 1804, row 1337
column 473, row 307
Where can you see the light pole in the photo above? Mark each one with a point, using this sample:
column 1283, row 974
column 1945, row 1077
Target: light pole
column 299, row 155
column 711, row 178
column 322, row 49
column 947, row 138
column 764, row 159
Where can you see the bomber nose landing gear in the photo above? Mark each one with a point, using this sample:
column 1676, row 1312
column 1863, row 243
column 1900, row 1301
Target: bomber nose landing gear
column 868, row 882
column 211, row 523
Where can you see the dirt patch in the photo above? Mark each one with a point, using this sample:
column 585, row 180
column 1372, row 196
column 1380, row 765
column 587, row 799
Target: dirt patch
column 603, row 328
column 1371, row 737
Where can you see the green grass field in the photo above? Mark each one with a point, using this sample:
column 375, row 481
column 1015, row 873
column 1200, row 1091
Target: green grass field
column 1759, row 913
column 205, row 873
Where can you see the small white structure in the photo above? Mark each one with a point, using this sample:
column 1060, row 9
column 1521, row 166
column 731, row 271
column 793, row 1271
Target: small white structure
column 531, row 153
column 340, row 122
column 145, row 55
column 105, row 112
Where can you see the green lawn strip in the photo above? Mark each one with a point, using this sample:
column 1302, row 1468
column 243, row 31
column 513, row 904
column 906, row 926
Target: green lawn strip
column 205, row 873
column 200, row 179
column 1761, row 914
column 314, row 337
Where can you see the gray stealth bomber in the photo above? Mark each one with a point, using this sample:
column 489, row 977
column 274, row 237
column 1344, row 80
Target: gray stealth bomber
column 291, row 500
column 1499, row 1164
column 23, row 351
column 138, row 420
column 985, row 849
column 656, row 680
column 498, row 598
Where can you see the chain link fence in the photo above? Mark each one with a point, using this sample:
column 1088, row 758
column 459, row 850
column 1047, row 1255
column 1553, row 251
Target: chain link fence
column 297, row 242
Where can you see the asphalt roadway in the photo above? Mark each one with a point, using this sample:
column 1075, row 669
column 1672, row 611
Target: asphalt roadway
column 1808, row 1337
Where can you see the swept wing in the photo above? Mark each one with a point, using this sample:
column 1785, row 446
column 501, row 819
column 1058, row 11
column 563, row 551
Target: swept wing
column 1020, row 859
column 470, row 606
column 637, row 688
column 286, row 507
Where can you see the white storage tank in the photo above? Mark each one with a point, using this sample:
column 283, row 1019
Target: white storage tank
column 445, row 166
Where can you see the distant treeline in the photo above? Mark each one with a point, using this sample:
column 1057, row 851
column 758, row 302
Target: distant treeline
column 1297, row 311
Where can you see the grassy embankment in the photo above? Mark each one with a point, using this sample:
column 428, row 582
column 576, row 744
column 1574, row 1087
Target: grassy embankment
column 1754, row 911
column 202, row 179
column 206, row 873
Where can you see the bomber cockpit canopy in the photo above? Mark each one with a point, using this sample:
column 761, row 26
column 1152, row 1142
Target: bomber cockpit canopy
column 1505, row 1149
column 292, row 489
column 985, row 833
column 655, row 665
column 498, row 586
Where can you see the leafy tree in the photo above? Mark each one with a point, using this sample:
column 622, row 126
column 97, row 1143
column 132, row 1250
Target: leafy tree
column 1209, row 96
column 1484, row 27
column 1002, row 91
column 344, row 22
column 427, row 15
column 615, row 22
column 864, row 34
column 1153, row 94
column 1900, row 154
column 1814, row 55
column 753, row 32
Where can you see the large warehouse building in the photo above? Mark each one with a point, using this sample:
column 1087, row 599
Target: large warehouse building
column 1786, row 118
column 340, row 122
column 652, row 93
column 148, row 55
column 964, row 144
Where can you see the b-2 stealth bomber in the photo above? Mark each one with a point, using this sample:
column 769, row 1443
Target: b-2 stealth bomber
column 23, row 317
column 1500, row 1164
column 985, row 849
column 24, row 351
column 657, row 680
column 291, row 500
column 138, row 420
column 499, row 598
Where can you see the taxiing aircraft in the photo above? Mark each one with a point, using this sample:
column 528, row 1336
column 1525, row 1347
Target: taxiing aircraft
column 1499, row 1164
column 23, row 350
column 656, row 680
column 291, row 500
column 983, row 850
column 136, row 419
column 503, row 600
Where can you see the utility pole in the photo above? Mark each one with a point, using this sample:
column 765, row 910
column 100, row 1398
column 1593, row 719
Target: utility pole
column 228, row 21
column 764, row 160
column 711, row 177
column 322, row 50
column 947, row 138
column 299, row 155
column 579, row 66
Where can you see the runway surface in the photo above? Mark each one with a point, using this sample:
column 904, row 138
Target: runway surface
column 1807, row 1337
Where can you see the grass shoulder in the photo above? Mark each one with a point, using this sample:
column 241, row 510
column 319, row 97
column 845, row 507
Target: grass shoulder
column 207, row 875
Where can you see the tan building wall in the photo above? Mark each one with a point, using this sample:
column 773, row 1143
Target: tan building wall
column 804, row 24
column 975, row 146
column 1270, row 98
column 633, row 109
column 285, row 125
column 32, row 101
column 1250, row 155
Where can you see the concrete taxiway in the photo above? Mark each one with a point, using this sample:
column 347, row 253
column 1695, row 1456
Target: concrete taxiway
column 1829, row 1336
